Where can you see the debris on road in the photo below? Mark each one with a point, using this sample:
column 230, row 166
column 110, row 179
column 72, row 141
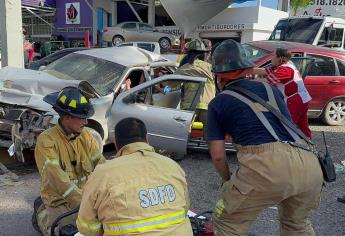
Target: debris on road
column 8, row 178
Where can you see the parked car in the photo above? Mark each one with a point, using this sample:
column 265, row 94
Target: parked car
column 100, row 74
column 35, row 65
column 136, row 31
column 323, row 71
column 149, row 46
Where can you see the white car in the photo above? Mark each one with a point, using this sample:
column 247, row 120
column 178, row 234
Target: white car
column 99, row 73
column 149, row 46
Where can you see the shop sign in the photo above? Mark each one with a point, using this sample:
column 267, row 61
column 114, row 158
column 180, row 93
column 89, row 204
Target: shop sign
column 334, row 8
column 74, row 29
column 222, row 27
column 72, row 13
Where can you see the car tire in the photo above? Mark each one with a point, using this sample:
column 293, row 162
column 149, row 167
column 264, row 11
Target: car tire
column 165, row 43
column 334, row 112
column 117, row 39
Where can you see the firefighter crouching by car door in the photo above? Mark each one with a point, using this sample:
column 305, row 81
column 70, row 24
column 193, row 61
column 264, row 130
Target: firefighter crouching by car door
column 65, row 155
column 270, row 172
column 138, row 193
column 195, row 64
column 284, row 75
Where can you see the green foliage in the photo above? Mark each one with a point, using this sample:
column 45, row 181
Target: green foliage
column 298, row 4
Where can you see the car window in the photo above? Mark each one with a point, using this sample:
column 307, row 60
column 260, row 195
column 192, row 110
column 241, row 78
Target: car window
column 145, row 27
column 169, row 94
column 341, row 67
column 130, row 26
column 255, row 54
column 147, row 46
column 331, row 37
column 322, row 66
column 125, row 44
column 101, row 74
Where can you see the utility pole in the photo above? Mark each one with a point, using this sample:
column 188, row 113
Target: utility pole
column 11, row 33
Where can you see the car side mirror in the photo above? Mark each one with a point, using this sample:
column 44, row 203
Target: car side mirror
column 130, row 98
column 41, row 68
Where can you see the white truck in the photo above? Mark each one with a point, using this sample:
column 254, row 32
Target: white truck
column 316, row 30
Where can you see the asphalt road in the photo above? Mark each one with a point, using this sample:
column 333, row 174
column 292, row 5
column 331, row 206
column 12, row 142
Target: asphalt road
column 16, row 201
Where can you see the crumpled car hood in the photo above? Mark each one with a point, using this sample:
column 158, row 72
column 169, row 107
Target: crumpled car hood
column 28, row 87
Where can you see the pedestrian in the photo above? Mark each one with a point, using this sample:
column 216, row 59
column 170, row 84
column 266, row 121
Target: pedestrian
column 271, row 172
column 284, row 75
column 138, row 193
column 195, row 64
column 65, row 155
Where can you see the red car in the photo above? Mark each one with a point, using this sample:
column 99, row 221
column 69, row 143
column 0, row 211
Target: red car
column 323, row 71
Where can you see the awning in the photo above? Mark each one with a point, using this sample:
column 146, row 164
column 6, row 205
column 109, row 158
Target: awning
column 39, row 12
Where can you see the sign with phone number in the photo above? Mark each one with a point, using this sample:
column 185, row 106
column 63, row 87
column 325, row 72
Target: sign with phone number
column 333, row 8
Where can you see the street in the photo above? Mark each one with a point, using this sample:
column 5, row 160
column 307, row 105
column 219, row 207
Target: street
column 16, row 201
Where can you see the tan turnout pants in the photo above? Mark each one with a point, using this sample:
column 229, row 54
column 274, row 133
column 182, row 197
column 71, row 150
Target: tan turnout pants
column 47, row 215
column 270, row 174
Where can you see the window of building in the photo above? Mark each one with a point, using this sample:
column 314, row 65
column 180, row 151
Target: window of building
column 162, row 18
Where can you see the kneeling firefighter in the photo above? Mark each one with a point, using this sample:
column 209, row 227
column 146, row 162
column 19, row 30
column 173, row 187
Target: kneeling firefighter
column 65, row 155
column 195, row 64
column 275, row 165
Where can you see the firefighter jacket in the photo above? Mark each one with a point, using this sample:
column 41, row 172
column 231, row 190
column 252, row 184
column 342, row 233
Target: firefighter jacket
column 64, row 163
column 138, row 193
column 198, row 69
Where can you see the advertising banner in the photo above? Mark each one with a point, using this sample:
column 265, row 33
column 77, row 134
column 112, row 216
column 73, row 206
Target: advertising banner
column 334, row 8
column 72, row 13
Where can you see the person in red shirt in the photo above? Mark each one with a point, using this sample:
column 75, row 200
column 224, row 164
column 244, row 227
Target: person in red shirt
column 284, row 75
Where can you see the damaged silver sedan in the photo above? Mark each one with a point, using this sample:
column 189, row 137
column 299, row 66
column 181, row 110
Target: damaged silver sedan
column 100, row 73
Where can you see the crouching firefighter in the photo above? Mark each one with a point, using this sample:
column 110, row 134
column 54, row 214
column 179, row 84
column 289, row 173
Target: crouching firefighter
column 65, row 155
column 138, row 193
column 195, row 63
column 275, row 165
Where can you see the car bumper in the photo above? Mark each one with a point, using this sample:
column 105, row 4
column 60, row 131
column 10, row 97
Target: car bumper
column 107, row 37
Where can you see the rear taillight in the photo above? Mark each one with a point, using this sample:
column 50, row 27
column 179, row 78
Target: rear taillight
column 105, row 30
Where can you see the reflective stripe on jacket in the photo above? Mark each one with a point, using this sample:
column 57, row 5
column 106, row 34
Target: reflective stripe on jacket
column 198, row 69
column 64, row 163
column 139, row 192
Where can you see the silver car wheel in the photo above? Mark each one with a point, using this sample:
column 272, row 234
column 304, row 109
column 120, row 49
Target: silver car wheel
column 334, row 113
column 117, row 40
column 164, row 43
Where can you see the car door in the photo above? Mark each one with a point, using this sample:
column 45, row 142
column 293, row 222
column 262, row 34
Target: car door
column 146, row 33
column 157, row 104
column 130, row 31
column 319, row 80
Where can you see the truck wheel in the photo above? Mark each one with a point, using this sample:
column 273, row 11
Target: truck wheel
column 334, row 112
column 117, row 40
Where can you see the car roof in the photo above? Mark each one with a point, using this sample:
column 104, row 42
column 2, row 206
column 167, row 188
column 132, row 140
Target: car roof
column 270, row 45
column 127, row 56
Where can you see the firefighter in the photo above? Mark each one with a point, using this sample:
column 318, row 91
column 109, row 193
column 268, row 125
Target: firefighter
column 65, row 155
column 138, row 193
column 284, row 75
column 195, row 64
column 271, row 171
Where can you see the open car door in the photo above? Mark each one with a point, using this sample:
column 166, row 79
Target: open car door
column 157, row 104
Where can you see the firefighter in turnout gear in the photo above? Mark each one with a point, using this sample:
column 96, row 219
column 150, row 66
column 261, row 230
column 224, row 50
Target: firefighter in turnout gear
column 275, row 166
column 195, row 64
column 65, row 155
column 138, row 193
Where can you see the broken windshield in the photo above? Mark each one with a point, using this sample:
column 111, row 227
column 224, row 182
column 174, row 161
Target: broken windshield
column 302, row 30
column 103, row 75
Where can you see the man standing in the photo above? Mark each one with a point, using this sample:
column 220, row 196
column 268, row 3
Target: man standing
column 138, row 193
column 284, row 75
column 195, row 64
column 271, row 170
column 65, row 155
